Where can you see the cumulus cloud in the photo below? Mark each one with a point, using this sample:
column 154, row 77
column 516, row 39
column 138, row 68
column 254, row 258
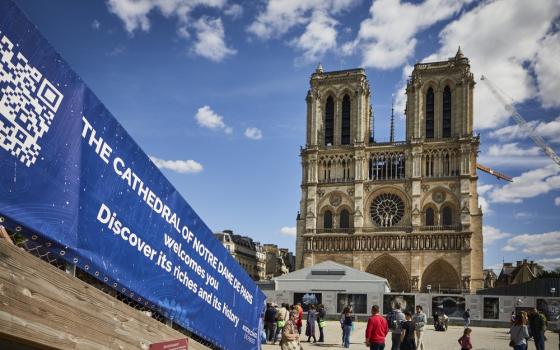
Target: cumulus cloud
column 528, row 185
column 550, row 131
column 288, row 231
column 235, row 11
column 542, row 244
column 210, row 39
column 209, row 32
column 492, row 234
column 387, row 38
column 181, row 166
column 253, row 133
column 557, row 201
column 96, row 24
column 316, row 16
column 548, row 71
column 511, row 155
column 207, row 118
column 503, row 39
column 549, row 264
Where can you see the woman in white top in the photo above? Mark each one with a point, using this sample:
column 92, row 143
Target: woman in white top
column 519, row 333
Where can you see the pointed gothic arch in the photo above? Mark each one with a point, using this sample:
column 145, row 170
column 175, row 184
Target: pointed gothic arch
column 329, row 121
column 446, row 112
column 430, row 110
column 389, row 267
column 345, row 121
column 441, row 276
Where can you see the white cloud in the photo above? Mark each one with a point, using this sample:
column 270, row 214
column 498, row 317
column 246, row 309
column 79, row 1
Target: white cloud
column 557, row 201
column 96, row 24
column 253, row 133
column 318, row 38
column 511, row 149
column 209, row 32
column 207, row 118
column 492, row 234
column 510, row 155
column 180, row 166
column 548, row 71
column 550, row 131
column 387, row 38
column 483, row 188
column 528, row 185
column 549, row 264
column 317, row 16
column 502, row 39
column 542, row 244
column 288, row 231
column 484, row 205
column 210, row 39
column 235, row 11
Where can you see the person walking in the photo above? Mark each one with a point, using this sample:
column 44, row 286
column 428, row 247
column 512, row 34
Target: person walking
column 322, row 321
column 282, row 316
column 519, row 333
column 537, row 327
column 395, row 319
column 347, row 323
column 467, row 317
column 376, row 330
column 299, row 323
column 407, row 333
column 310, row 326
column 270, row 322
column 290, row 334
column 465, row 340
column 419, row 319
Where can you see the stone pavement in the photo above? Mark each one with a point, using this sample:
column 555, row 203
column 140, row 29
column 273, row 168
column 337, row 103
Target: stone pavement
column 482, row 338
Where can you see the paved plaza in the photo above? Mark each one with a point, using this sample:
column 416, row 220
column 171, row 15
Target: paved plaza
column 482, row 338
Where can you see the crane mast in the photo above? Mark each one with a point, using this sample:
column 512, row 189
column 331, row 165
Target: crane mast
column 539, row 141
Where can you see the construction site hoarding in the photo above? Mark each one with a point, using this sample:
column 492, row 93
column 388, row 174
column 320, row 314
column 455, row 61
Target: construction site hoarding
column 74, row 181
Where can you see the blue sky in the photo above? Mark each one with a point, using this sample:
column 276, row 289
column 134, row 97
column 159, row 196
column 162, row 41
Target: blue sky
column 214, row 91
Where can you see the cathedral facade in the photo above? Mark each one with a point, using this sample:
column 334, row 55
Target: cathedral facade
column 407, row 211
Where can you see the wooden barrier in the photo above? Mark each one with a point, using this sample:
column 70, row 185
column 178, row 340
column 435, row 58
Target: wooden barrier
column 43, row 306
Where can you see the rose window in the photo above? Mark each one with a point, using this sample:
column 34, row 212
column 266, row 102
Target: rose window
column 387, row 209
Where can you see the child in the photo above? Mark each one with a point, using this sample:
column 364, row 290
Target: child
column 465, row 340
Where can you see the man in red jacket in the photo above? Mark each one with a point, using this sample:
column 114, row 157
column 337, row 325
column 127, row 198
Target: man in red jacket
column 376, row 330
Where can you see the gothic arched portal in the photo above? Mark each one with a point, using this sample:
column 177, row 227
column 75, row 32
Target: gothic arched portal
column 390, row 268
column 441, row 276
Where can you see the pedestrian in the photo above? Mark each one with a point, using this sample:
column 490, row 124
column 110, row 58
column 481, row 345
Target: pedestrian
column 299, row 309
column 407, row 333
column 436, row 320
column 467, row 317
column 465, row 340
column 290, row 334
column 322, row 321
column 537, row 327
column 347, row 324
column 420, row 319
column 394, row 320
column 310, row 326
column 270, row 322
column 519, row 333
column 376, row 330
column 282, row 316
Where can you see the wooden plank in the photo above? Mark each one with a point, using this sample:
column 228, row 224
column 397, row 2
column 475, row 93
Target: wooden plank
column 43, row 305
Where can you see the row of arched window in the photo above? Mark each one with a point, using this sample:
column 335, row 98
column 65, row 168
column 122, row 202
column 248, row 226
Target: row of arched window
column 446, row 113
column 445, row 217
column 343, row 220
column 345, row 121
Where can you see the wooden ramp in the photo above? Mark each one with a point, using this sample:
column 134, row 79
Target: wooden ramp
column 47, row 308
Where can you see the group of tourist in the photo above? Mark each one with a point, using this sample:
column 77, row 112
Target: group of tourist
column 287, row 322
column 407, row 329
column 525, row 326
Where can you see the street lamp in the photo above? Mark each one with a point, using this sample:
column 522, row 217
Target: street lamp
column 429, row 287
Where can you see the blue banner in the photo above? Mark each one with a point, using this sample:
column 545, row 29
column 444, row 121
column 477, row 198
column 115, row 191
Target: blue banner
column 73, row 180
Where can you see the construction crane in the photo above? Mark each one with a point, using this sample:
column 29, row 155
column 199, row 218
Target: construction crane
column 497, row 174
column 521, row 122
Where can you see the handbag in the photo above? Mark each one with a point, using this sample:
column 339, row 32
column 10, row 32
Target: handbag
column 280, row 323
column 511, row 343
column 322, row 324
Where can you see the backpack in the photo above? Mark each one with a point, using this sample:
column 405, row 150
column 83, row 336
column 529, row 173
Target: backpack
column 392, row 321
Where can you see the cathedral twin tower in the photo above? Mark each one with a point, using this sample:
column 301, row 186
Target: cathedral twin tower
column 407, row 211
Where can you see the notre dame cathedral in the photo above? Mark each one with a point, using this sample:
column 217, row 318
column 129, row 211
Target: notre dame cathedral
column 407, row 211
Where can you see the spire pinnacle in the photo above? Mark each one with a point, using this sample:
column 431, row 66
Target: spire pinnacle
column 319, row 68
column 459, row 53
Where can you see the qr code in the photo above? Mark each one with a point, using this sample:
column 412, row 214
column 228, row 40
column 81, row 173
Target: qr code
column 28, row 103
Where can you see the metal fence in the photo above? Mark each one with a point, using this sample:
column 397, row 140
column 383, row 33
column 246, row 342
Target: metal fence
column 43, row 253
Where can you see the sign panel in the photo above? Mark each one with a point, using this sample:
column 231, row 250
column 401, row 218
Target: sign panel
column 73, row 180
column 180, row 344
